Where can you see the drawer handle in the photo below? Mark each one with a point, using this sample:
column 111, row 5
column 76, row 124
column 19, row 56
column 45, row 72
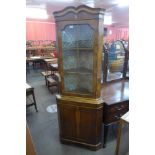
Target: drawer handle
column 123, row 106
column 120, row 115
column 116, row 117
column 118, row 108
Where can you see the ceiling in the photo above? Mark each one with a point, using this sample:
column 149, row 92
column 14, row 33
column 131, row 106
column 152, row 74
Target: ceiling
column 120, row 15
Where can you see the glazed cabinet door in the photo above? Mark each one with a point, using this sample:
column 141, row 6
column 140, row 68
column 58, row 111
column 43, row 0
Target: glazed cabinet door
column 77, row 59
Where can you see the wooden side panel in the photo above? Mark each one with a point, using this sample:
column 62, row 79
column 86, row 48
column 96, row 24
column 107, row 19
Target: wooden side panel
column 29, row 144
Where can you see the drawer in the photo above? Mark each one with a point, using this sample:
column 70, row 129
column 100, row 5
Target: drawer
column 115, row 116
column 112, row 112
column 118, row 107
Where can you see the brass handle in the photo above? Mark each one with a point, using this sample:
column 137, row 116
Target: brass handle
column 116, row 117
column 122, row 106
column 118, row 108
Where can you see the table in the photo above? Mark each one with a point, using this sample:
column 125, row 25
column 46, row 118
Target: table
column 33, row 58
column 116, row 102
column 51, row 60
column 30, row 91
column 39, row 59
column 43, row 50
column 40, row 47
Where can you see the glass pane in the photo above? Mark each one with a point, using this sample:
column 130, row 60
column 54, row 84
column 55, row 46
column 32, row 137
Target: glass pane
column 70, row 82
column 70, row 60
column 116, row 61
column 85, row 39
column 69, row 37
column 85, row 61
column 85, row 83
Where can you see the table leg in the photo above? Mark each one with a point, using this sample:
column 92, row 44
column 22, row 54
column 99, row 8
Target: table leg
column 46, row 80
column 33, row 64
column 106, row 129
column 27, row 67
column 35, row 101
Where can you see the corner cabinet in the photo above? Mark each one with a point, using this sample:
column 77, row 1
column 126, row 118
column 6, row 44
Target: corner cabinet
column 79, row 44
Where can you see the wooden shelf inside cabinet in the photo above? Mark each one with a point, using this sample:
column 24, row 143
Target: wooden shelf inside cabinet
column 78, row 73
column 79, row 70
column 79, row 43
column 80, row 49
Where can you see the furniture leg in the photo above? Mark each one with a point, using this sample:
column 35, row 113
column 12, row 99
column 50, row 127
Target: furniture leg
column 34, row 101
column 33, row 64
column 46, row 80
column 106, row 129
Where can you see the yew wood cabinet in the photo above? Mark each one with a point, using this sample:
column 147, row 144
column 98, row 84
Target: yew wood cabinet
column 80, row 102
column 79, row 44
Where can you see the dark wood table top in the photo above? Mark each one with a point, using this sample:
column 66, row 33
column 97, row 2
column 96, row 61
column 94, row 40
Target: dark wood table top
column 115, row 92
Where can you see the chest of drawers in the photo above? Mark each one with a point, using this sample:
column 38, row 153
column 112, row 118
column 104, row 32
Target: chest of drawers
column 116, row 103
column 113, row 112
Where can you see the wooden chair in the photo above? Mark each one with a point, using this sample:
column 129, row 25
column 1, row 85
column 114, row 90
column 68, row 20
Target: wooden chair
column 46, row 74
column 53, row 81
column 47, row 67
